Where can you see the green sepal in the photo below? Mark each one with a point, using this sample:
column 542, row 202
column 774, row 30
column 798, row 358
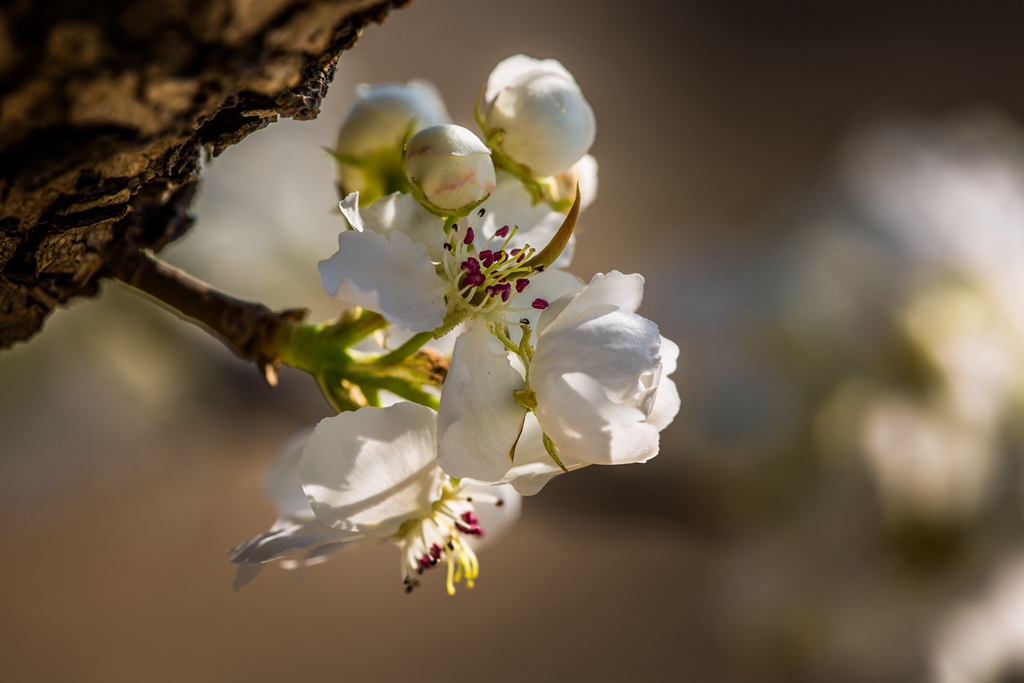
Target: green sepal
column 452, row 319
column 527, row 398
column 461, row 212
column 549, row 446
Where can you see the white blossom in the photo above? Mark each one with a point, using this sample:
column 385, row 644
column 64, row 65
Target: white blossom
column 599, row 376
column 450, row 166
column 372, row 474
column 547, row 124
column 385, row 264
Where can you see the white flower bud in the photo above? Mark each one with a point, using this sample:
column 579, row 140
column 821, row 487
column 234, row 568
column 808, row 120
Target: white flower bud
column 450, row 166
column 548, row 124
column 379, row 119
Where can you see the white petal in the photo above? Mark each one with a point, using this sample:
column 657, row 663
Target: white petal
column 391, row 275
column 532, row 467
column 669, row 356
column 585, row 424
column 586, row 176
column 350, row 210
column 618, row 348
column 550, row 285
column 478, row 421
column 609, row 292
column 666, row 405
column 399, row 211
column 288, row 537
column 368, row 471
column 281, row 483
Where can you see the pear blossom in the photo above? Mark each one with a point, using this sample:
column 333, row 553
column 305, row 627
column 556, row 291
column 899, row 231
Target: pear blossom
column 372, row 475
column 598, row 383
column 546, row 124
column 462, row 275
column 450, row 166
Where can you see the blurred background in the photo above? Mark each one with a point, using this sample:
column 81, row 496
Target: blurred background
column 827, row 201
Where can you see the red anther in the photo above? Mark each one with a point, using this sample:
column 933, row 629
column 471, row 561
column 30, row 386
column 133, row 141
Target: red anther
column 471, row 265
column 521, row 284
column 487, row 258
column 506, row 291
column 447, row 246
column 468, row 239
column 502, row 231
column 515, row 251
column 435, row 551
column 540, row 304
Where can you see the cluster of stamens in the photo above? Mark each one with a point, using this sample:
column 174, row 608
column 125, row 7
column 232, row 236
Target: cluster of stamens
column 440, row 538
column 484, row 279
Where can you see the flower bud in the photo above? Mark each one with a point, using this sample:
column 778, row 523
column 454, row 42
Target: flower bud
column 450, row 166
column 369, row 146
column 379, row 119
column 547, row 123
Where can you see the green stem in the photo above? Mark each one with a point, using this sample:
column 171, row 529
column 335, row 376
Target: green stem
column 404, row 351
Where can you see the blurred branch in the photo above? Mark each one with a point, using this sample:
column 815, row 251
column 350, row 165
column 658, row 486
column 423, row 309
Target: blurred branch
column 250, row 330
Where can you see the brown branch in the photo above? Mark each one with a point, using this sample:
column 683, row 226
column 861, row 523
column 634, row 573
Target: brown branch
column 249, row 329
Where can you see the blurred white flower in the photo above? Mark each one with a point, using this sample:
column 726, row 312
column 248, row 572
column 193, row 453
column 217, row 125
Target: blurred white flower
column 373, row 474
column 450, row 166
column 547, row 124
column 928, row 465
column 982, row 641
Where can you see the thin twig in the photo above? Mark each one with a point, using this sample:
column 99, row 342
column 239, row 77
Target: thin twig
column 249, row 329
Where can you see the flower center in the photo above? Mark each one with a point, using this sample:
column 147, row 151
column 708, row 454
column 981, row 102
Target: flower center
column 484, row 278
column 441, row 537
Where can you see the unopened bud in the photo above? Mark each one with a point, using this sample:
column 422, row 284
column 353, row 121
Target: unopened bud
column 382, row 115
column 450, row 166
column 547, row 123
column 369, row 146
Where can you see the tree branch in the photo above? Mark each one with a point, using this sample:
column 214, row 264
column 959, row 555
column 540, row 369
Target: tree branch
column 250, row 330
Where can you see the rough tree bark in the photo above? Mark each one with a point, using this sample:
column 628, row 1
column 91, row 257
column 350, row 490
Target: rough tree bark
column 105, row 108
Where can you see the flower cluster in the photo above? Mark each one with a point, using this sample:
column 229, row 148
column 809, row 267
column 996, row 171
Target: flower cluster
column 546, row 374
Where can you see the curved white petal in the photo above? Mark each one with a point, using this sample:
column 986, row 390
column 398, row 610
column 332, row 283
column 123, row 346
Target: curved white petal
column 586, row 424
column 400, row 212
column 478, row 420
column 550, row 285
column 666, row 405
column 288, row 537
column 370, row 470
column 391, row 275
column 604, row 293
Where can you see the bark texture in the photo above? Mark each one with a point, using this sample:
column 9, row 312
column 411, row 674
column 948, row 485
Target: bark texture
column 106, row 107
